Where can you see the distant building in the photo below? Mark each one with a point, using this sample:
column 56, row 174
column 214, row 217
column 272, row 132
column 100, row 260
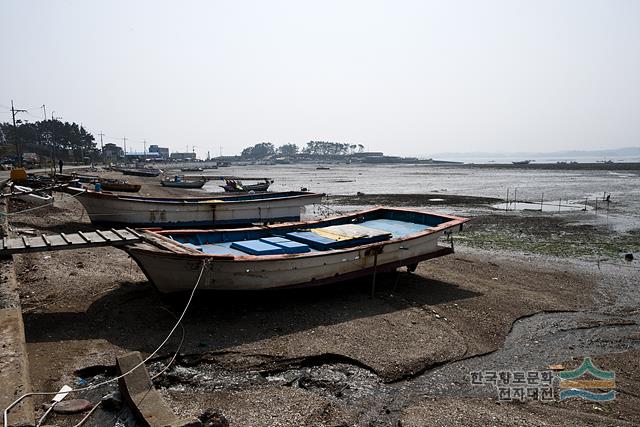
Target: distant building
column 162, row 151
column 135, row 155
column 182, row 156
column 112, row 153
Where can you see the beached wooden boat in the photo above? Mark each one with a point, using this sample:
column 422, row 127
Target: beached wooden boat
column 142, row 172
column 209, row 211
column 236, row 186
column 180, row 182
column 109, row 185
column 30, row 195
column 294, row 254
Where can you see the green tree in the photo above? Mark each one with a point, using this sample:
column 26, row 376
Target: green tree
column 288, row 149
column 66, row 140
column 259, row 151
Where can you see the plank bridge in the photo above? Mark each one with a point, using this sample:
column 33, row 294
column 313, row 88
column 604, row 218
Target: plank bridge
column 62, row 241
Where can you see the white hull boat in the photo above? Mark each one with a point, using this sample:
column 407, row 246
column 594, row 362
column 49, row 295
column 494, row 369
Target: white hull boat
column 295, row 254
column 210, row 211
column 30, row 196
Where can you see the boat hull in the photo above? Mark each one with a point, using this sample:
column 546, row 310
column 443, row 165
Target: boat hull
column 183, row 184
column 172, row 272
column 112, row 209
column 127, row 188
column 147, row 173
column 246, row 188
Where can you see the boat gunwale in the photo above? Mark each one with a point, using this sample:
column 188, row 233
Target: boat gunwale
column 200, row 200
column 453, row 222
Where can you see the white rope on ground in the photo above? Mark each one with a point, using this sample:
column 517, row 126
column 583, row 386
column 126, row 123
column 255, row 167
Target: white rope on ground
column 86, row 417
column 175, row 355
column 100, row 384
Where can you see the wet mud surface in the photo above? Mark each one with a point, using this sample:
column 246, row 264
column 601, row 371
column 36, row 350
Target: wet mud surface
column 335, row 355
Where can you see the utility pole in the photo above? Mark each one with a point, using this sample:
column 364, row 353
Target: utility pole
column 101, row 147
column 125, row 148
column 144, row 147
column 15, row 132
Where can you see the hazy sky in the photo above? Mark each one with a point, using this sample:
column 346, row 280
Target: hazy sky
column 404, row 77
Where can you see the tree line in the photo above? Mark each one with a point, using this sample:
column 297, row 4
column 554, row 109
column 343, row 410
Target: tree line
column 51, row 138
column 318, row 148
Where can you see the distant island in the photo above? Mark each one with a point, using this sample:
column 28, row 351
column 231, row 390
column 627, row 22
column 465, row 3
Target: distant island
column 324, row 151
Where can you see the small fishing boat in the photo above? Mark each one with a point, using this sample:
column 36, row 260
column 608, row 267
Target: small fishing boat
column 236, row 186
column 62, row 177
column 117, row 185
column 180, row 182
column 209, row 211
column 30, row 195
column 142, row 172
column 191, row 169
column 295, row 254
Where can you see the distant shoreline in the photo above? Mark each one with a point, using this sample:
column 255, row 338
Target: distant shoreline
column 557, row 166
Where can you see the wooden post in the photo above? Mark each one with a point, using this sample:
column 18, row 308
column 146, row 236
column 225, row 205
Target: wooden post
column 559, row 203
column 506, row 205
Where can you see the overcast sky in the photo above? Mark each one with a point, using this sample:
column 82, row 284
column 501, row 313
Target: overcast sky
column 403, row 77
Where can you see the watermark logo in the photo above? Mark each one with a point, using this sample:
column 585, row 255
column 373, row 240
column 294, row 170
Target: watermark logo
column 517, row 385
column 581, row 381
column 586, row 382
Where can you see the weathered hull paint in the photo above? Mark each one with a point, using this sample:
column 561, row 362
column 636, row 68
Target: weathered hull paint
column 171, row 272
column 191, row 213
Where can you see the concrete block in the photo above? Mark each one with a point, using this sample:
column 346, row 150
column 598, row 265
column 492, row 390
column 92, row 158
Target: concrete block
column 139, row 392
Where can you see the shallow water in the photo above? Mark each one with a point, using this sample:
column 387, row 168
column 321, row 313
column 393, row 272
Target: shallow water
column 525, row 185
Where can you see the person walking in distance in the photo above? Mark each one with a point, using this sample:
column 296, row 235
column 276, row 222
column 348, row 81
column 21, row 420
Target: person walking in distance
column 60, row 163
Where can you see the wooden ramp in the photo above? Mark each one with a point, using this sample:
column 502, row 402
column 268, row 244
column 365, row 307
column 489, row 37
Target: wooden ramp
column 62, row 241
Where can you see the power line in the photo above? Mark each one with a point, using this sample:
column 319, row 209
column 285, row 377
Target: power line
column 15, row 132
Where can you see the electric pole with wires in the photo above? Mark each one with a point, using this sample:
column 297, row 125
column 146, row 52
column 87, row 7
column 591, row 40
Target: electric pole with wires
column 15, row 132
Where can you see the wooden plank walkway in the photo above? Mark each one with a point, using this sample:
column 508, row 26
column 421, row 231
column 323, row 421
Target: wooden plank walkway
column 62, row 241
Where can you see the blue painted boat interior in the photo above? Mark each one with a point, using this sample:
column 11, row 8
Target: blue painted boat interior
column 340, row 233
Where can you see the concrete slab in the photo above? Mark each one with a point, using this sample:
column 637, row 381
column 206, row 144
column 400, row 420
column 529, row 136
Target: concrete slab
column 14, row 367
column 144, row 399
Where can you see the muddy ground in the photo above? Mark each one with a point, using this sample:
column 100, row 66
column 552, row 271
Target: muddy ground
column 335, row 355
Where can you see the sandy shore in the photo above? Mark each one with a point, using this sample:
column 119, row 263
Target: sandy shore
column 334, row 355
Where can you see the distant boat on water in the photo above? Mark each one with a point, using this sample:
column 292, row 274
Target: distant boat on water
column 522, row 162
